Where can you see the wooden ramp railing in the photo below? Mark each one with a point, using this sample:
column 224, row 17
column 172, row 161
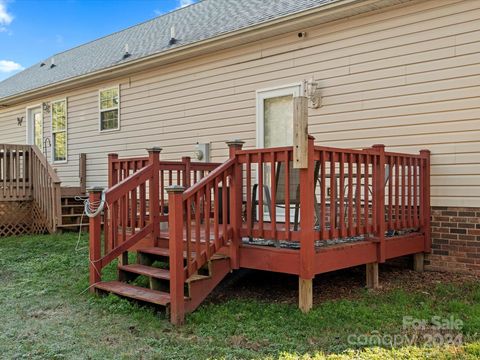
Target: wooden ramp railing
column 26, row 175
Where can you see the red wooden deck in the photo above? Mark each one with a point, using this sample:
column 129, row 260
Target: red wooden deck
column 201, row 211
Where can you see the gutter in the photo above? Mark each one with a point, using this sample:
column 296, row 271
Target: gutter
column 328, row 12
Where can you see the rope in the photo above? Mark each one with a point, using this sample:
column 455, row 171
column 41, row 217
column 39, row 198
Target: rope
column 91, row 210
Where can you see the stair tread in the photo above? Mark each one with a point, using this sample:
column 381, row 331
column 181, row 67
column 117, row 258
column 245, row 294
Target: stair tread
column 135, row 292
column 165, row 252
column 197, row 277
column 159, row 251
column 147, row 271
column 72, row 225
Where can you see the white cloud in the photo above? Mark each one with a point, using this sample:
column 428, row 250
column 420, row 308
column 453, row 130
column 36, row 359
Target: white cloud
column 183, row 3
column 7, row 66
column 5, row 17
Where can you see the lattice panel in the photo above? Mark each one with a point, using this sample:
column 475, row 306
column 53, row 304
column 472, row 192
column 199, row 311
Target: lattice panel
column 39, row 222
column 19, row 218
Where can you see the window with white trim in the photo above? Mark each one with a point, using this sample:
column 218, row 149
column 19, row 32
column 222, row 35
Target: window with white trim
column 59, row 130
column 109, row 108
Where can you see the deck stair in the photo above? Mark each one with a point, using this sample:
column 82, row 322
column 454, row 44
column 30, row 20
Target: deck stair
column 72, row 211
column 148, row 280
column 187, row 221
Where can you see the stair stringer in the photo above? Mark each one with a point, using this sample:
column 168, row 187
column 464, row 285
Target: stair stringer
column 199, row 290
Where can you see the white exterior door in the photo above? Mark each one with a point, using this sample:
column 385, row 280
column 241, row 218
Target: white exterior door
column 275, row 129
column 275, row 116
column 35, row 127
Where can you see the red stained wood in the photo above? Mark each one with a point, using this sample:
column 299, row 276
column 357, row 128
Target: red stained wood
column 135, row 292
column 216, row 211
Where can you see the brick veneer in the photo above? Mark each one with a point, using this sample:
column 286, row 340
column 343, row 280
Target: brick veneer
column 455, row 240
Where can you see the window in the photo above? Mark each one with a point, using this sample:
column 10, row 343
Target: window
column 59, row 130
column 109, row 109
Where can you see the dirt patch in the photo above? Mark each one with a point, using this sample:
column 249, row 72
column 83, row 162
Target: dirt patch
column 342, row 284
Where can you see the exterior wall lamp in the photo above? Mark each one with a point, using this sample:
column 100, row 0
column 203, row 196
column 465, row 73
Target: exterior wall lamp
column 312, row 92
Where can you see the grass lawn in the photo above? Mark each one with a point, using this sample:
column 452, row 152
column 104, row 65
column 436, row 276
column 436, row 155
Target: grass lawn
column 46, row 313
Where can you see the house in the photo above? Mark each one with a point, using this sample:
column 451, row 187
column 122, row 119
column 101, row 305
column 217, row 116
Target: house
column 396, row 72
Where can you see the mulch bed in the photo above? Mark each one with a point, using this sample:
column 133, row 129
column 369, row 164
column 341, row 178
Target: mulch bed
column 342, row 284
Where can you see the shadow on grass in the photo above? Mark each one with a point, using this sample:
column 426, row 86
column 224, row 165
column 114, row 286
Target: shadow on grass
column 47, row 313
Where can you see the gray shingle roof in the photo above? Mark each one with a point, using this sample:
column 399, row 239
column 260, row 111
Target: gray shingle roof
column 203, row 20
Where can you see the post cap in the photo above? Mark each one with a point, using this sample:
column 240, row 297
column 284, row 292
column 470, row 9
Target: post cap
column 95, row 189
column 154, row 149
column 112, row 154
column 378, row 146
column 236, row 142
column 175, row 189
column 425, row 151
column 311, row 137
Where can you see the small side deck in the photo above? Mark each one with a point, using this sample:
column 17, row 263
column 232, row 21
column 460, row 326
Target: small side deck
column 258, row 210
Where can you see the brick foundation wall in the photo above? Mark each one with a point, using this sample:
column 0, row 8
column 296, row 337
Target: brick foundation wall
column 455, row 240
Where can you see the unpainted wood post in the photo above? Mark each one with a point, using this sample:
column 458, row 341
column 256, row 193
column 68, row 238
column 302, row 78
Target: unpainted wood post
column 112, row 171
column 154, row 193
column 300, row 132
column 236, row 200
column 426, row 201
column 95, row 241
column 372, row 275
column 82, row 172
column 175, row 244
column 307, row 234
column 187, row 179
column 57, row 205
column 380, row 201
column 305, row 294
column 418, row 262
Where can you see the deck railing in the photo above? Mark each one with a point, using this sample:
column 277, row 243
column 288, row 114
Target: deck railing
column 25, row 175
column 136, row 203
column 259, row 195
column 15, row 180
column 46, row 189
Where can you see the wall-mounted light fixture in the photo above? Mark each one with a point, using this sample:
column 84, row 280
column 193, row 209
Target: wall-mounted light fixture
column 46, row 107
column 312, row 92
column 20, row 121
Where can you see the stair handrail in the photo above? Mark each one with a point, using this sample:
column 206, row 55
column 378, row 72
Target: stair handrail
column 46, row 189
column 132, row 225
column 185, row 237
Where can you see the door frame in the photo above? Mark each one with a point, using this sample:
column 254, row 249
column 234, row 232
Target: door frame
column 295, row 89
column 30, row 136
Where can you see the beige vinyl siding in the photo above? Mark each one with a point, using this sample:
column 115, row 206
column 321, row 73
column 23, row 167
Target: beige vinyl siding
column 10, row 132
column 408, row 77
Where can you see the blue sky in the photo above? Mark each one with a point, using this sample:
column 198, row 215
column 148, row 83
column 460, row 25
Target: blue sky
column 32, row 30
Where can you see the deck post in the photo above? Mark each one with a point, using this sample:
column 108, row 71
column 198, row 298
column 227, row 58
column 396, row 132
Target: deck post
column 372, row 275
column 305, row 294
column 82, row 172
column 175, row 244
column 154, row 196
column 418, row 262
column 95, row 241
column 236, row 200
column 380, row 201
column 307, row 234
column 187, row 179
column 426, row 200
column 112, row 172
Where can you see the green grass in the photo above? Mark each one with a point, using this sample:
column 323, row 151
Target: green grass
column 46, row 312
